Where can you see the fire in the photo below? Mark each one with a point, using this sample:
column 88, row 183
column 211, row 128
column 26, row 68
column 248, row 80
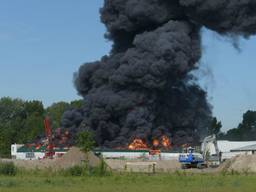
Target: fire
column 155, row 143
column 137, row 144
column 166, row 142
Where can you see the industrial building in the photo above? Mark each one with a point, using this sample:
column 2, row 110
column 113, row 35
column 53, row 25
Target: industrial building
column 229, row 149
column 251, row 149
column 137, row 154
column 23, row 152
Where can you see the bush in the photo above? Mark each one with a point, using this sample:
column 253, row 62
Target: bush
column 8, row 169
column 75, row 171
column 100, row 170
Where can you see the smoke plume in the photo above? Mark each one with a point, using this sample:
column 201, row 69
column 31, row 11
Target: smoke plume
column 144, row 88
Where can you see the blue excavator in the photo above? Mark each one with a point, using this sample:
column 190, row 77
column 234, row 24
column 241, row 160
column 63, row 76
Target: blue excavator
column 191, row 159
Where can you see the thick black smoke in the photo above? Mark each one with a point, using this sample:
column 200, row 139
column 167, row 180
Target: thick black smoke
column 237, row 17
column 145, row 88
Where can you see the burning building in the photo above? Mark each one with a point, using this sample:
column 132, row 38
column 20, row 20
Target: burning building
column 143, row 93
column 51, row 145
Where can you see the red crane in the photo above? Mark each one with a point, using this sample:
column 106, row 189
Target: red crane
column 48, row 133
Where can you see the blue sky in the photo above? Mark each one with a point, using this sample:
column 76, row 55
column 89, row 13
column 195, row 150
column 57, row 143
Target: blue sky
column 43, row 42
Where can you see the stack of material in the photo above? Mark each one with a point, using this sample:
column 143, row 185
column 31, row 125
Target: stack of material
column 242, row 163
column 143, row 166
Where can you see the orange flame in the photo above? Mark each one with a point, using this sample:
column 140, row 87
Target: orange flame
column 138, row 144
column 166, row 142
column 155, row 143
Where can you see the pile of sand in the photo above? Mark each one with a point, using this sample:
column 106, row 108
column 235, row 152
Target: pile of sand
column 76, row 157
column 73, row 157
column 242, row 163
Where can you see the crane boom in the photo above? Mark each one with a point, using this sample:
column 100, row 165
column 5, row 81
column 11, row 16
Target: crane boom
column 48, row 133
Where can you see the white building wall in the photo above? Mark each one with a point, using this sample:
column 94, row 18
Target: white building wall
column 25, row 156
column 225, row 148
column 170, row 156
column 139, row 155
column 126, row 155
column 20, row 156
column 14, row 149
column 30, row 155
column 59, row 154
column 229, row 155
column 39, row 155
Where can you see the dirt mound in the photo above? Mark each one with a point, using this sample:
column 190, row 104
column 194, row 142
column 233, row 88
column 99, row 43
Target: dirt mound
column 73, row 157
column 242, row 163
column 76, row 157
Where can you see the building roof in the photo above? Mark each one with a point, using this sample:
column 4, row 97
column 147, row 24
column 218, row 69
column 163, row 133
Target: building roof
column 246, row 148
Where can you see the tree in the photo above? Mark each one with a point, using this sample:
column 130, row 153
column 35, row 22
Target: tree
column 248, row 126
column 85, row 141
column 55, row 111
column 215, row 127
column 233, row 135
column 246, row 130
column 20, row 122
column 76, row 104
column 34, row 107
column 12, row 113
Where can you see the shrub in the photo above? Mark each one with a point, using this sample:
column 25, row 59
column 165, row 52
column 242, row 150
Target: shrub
column 8, row 169
column 101, row 170
column 75, row 171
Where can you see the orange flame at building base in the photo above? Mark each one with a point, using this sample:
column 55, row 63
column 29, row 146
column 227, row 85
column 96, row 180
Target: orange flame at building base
column 166, row 142
column 139, row 144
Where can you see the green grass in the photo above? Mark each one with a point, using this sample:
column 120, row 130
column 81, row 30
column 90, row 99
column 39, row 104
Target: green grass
column 128, row 182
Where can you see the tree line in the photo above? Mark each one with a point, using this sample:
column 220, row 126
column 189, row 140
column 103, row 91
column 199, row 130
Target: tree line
column 22, row 121
column 245, row 131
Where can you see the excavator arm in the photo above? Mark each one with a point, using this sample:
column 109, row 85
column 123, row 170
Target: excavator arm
column 48, row 133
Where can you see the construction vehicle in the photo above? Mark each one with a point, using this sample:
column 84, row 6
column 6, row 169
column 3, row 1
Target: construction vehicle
column 209, row 156
column 48, row 133
column 190, row 159
column 211, row 151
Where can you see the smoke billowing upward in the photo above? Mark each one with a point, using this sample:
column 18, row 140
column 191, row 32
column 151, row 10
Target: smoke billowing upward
column 237, row 17
column 144, row 88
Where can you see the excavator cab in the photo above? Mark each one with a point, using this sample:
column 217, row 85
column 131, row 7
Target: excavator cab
column 190, row 159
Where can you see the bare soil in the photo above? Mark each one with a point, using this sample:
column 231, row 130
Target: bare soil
column 73, row 157
column 242, row 163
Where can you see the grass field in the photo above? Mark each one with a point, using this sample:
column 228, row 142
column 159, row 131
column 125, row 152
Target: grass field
column 130, row 182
